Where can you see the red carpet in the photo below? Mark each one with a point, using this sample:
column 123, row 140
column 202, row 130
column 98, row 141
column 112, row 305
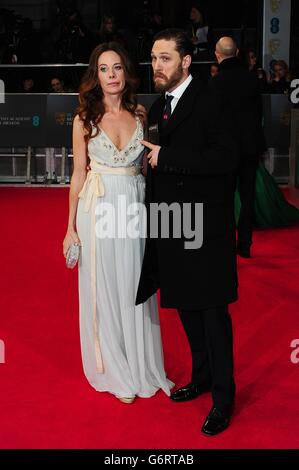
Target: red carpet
column 46, row 401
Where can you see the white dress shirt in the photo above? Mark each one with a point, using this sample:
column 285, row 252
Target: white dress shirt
column 177, row 92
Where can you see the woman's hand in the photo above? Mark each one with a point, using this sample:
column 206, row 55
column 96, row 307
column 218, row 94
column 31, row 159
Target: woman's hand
column 70, row 238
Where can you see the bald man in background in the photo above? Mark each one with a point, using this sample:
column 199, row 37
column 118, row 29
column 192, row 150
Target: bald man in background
column 238, row 90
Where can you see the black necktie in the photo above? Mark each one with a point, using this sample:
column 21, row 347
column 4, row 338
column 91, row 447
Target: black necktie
column 167, row 110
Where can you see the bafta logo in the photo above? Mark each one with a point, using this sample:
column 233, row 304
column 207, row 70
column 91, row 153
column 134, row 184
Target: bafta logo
column 273, row 46
column 60, row 118
column 275, row 5
column 2, row 91
column 2, row 352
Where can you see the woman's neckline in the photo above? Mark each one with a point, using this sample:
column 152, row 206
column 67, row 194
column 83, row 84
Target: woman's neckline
column 130, row 140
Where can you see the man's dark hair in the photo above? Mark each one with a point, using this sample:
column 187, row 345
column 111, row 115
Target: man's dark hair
column 183, row 44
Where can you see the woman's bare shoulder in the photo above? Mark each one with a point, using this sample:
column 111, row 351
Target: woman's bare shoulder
column 78, row 124
column 78, row 120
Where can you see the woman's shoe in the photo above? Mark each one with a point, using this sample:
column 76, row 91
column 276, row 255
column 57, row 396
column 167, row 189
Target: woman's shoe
column 126, row 399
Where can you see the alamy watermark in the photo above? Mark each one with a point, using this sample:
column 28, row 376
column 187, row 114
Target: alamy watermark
column 2, row 92
column 181, row 217
column 294, row 95
column 129, row 220
column 2, row 352
column 295, row 353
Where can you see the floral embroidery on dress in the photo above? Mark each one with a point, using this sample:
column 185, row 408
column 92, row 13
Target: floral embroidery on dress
column 115, row 157
column 121, row 156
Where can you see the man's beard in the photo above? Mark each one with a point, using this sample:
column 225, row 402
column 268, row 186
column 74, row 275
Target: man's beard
column 171, row 82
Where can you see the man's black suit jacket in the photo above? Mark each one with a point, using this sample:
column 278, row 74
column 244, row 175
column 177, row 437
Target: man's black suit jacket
column 238, row 90
column 197, row 164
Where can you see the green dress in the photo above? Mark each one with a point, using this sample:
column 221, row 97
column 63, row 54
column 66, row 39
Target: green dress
column 271, row 208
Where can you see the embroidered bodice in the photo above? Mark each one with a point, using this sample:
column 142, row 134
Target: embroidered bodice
column 102, row 149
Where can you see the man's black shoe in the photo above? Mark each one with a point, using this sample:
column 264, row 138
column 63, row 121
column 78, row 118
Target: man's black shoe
column 243, row 252
column 189, row 392
column 217, row 420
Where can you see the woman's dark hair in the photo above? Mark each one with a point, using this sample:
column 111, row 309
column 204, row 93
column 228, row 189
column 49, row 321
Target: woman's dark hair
column 197, row 7
column 282, row 64
column 91, row 108
column 183, row 44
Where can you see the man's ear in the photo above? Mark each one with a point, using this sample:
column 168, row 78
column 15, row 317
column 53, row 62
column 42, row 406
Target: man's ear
column 186, row 61
column 218, row 57
column 237, row 52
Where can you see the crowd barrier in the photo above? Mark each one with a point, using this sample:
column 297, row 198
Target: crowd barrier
column 71, row 74
column 29, row 123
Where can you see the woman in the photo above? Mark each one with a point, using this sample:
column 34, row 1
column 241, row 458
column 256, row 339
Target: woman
column 258, row 72
column 109, row 32
column 198, row 30
column 270, row 207
column 120, row 343
column 280, row 82
column 214, row 70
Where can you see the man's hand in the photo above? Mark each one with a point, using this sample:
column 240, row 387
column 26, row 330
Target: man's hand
column 153, row 154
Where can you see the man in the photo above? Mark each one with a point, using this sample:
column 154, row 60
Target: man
column 57, row 85
column 195, row 162
column 239, row 91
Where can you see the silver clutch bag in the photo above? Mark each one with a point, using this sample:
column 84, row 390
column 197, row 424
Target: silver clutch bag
column 72, row 256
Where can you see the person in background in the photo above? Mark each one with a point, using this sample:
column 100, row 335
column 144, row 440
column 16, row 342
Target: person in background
column 258, row 72
column 156, row 23
column 262, row 80
column 280, row 80
column 251, row 60
column 239, row 92
column 214, row 70
column 271, row 209
column 57, row 85
column 198, row 30
column 28, row 85
column 75, row 42
column 109, row 32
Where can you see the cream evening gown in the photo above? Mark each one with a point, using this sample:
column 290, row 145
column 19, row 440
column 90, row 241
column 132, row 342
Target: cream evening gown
column 120, row 342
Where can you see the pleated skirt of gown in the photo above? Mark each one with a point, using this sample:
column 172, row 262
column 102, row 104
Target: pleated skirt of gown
column 129, row 335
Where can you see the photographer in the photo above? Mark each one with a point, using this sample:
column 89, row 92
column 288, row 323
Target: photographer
column 75, row 42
